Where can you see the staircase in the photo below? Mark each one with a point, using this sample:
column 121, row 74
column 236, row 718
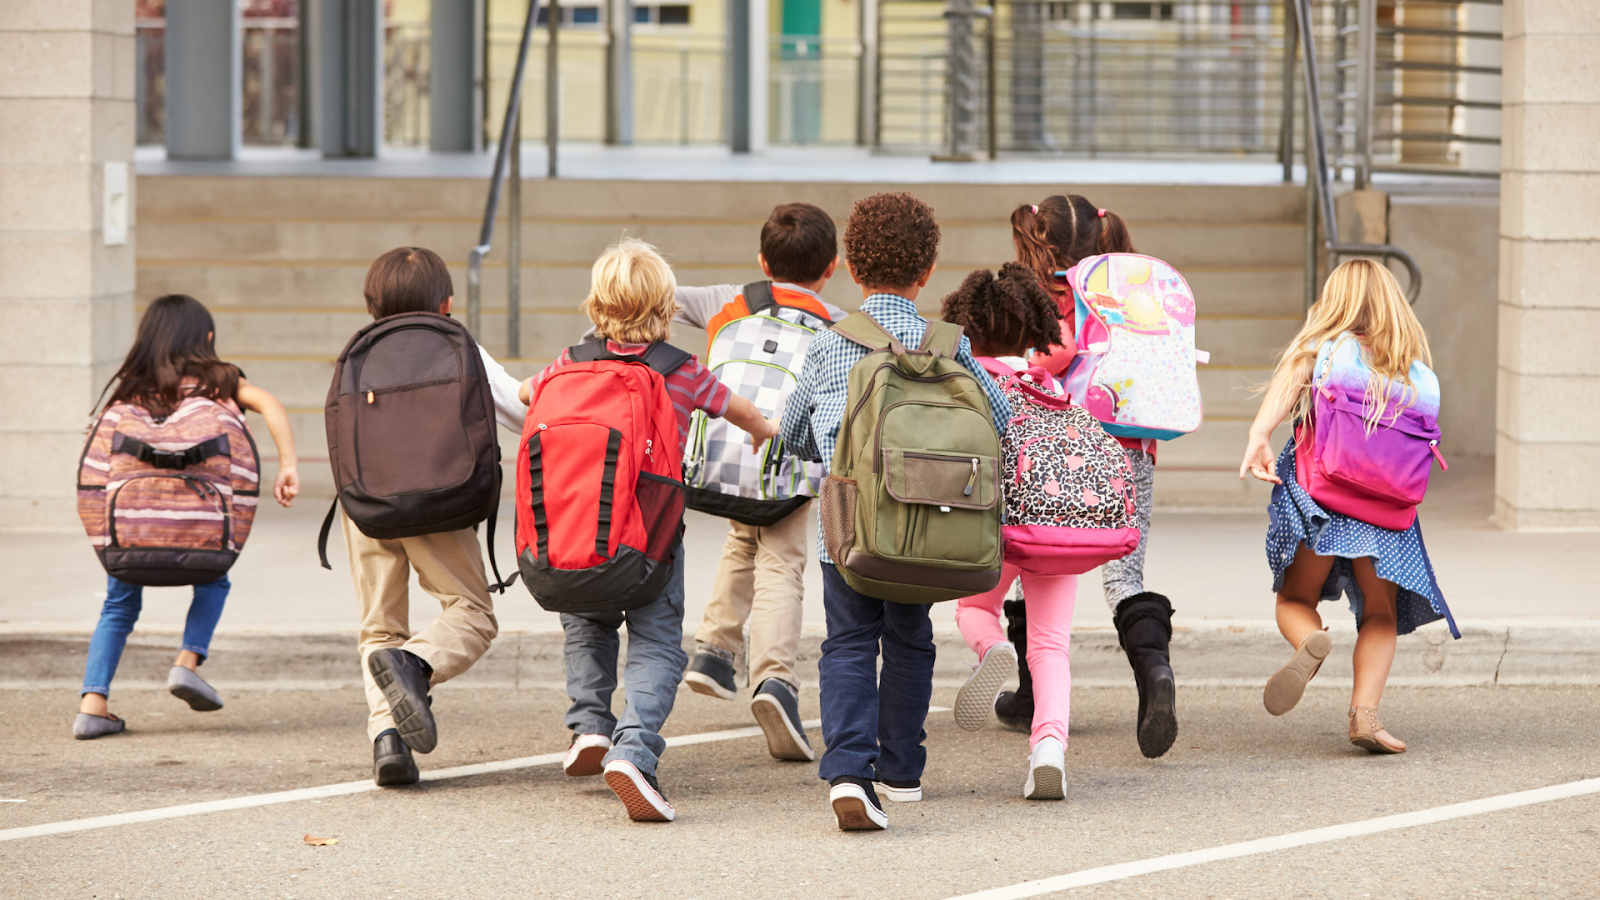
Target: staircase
column 280, row 263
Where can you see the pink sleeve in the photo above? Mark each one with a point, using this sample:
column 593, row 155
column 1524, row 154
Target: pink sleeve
column 710, row 394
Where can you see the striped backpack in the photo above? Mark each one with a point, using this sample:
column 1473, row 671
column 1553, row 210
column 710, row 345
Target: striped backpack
column 169, row 501
column 757, row 345
column 1068, row 487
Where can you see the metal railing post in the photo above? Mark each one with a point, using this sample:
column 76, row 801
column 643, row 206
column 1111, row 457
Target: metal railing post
column 1286, row 130
column 514, row 248
column 552, row 86
column 1366, row 74
column 992, row 95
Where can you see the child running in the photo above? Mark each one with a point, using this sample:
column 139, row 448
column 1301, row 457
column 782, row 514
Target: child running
column 1007, row 318
column 1052, row 237
column 1361, row 335
column 174, row 358
column 872, row 723
column 631, row 304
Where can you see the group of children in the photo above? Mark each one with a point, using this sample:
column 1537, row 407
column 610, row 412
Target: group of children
column 873, row 710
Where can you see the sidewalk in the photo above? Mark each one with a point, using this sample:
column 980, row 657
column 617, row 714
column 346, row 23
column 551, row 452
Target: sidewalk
column 1523, row 599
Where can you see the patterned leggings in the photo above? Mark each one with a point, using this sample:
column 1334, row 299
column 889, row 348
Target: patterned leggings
column 1124, row 577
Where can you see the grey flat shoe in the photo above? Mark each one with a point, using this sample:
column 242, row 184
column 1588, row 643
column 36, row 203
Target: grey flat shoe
column 87, row 727
column 192, row 689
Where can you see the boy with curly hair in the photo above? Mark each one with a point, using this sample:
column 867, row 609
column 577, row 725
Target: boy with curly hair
column 872, row 724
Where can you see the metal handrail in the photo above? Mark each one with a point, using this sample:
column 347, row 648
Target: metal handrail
column 1317, row 158
column 501, row 157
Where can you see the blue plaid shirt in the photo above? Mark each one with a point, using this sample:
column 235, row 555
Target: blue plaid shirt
column 815, row 410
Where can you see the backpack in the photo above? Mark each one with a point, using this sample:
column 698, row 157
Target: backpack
column 1134, row 370
column 1377, row 475
column 599, row 503
column 1069, row 490
column 911, row 507
column 411, row 432
column 169, row 501
column 757, row 345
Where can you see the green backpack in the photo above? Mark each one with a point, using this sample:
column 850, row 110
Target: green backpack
column 911, row 507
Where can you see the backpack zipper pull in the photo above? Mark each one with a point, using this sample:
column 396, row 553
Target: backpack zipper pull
column 648, row 448
column 371, row 397
column 1434, row 446
column 972, row 479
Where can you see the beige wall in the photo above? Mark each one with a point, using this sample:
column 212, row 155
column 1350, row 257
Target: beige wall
column 1549, row 378
column 66, row 299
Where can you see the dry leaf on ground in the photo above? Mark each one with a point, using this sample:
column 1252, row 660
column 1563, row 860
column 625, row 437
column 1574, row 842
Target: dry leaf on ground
column 315, row 841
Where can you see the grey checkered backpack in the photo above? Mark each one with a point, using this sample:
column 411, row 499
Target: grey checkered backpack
column 757, row 345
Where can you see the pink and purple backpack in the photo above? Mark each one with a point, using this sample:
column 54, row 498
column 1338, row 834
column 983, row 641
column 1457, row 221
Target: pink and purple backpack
column 1069, row 494
column 1377, row 473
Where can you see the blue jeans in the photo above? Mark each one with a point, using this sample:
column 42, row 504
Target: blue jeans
column 117, row 617
column 872, row 723
column 654, row 669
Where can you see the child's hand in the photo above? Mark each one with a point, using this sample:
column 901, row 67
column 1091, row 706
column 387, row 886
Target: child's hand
column 757, row 438
column 1258, row 460
column 287, row 485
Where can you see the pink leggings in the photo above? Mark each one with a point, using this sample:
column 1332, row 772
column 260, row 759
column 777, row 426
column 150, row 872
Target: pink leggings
column 1050, row 599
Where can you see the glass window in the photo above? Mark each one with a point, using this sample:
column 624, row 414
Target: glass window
column 673, row 14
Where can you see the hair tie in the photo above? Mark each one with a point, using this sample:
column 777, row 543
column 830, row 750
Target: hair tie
column 1035, row 208
column 1101, row 214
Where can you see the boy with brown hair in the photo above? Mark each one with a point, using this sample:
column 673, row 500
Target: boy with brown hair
column 872, row 723
column 399, row 667
column 760, row 578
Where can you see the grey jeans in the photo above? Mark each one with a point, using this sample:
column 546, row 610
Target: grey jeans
column 1122, row 578
column 653, row 671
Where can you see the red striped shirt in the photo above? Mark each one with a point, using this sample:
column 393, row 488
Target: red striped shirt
column 691, row 386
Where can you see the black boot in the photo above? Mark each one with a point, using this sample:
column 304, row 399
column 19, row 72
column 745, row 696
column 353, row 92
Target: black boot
column 1014, row 709
column 1144, row 629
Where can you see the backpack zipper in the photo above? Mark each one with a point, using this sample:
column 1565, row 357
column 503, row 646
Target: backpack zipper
column 971, row 479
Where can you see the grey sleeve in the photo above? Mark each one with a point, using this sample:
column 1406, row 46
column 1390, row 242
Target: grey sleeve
column 699, row 304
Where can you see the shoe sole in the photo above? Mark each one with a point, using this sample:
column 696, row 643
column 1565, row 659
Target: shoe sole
column 899, row 795
column 855, row 814
column 1373, row 745
column 1160, row 725
column 704, row 684
column 414, row 721
column 1045, row 783
column 395, row 771
column 639, row 807
column 782, row 741
column 1287, row 685
column 975, row 700
column 589, row 761
column 196, row 700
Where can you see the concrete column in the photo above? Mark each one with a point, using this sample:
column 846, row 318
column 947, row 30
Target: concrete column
column 67, row 124
column 350, row 57
column 747, row 75
column 203, row 79
column 455, row 77
column 1548, row 410
column 619, row 72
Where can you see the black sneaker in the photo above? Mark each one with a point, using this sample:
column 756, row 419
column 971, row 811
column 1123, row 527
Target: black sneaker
column 855, row 805
column 776, row 707
column 403, row 678
column 901, row 791
column 711, row 675
column 391, row 761
column 639, row 792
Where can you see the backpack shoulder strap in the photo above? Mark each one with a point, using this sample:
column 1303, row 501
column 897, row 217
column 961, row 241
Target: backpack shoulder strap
column 863, row 329
column 943, row 338
column 665, row 358
column 758, row 297
column 589, row 351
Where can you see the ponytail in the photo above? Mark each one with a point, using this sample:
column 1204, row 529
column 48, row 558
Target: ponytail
column 1113, row 236
column 1061, row 230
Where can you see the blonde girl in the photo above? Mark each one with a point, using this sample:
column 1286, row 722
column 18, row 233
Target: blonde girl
column 1361, row 335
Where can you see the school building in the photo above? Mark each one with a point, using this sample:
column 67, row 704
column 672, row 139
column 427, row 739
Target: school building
column 259, row 155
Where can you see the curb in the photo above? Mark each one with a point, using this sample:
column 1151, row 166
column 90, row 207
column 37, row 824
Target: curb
column 1212, row 654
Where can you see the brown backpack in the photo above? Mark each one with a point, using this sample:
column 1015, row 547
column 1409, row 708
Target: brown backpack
column 411, row 432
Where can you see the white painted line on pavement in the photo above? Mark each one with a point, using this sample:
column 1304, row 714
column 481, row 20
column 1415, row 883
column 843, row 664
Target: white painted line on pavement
column 350, row 787
column 1288, row 841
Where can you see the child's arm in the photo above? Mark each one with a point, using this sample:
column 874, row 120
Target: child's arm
column 795, row 428
column 744, row 416
column 287, row 484
column 1275, row 407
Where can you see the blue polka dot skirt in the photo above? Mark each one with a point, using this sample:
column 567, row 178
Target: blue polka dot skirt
column 1398, row 556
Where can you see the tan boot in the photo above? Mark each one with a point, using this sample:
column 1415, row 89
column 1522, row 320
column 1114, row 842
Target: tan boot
column 1288, row 684
column 1368, row 733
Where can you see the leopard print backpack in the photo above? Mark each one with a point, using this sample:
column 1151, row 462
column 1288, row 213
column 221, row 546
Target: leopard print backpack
column 1069, row 493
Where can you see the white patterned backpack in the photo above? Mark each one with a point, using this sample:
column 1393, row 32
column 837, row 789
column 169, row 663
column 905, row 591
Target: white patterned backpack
column 1134, row 370
column 1069, row 493
column 757, row 344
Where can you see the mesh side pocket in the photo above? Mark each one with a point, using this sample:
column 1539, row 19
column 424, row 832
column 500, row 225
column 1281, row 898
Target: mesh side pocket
column 838, row 516
column 661, row 512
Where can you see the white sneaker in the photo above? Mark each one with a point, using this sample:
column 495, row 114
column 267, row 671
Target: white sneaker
column 639, row 792
column 975, row 700
column 587, row 755
column 1047, row 771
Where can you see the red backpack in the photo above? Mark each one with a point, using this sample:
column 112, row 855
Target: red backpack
column 599, row 495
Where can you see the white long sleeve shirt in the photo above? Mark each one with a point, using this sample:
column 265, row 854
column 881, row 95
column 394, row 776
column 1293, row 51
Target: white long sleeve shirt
column 508, row 410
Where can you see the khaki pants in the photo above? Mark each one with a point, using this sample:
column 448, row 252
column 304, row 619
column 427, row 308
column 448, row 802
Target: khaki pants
column 761, row 578
column 450, row 567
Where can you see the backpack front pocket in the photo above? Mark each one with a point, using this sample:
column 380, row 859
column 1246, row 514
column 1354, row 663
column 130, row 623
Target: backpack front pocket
column 944, row 506
column 168, row 511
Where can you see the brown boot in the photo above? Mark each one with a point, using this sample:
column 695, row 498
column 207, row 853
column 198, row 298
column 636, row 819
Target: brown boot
column 1288, row 684
column 1368, row 733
